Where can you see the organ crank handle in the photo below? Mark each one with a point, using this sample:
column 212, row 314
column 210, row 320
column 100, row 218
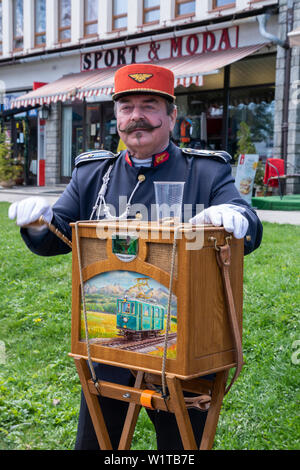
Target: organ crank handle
column 52, row 228
column 36, row 223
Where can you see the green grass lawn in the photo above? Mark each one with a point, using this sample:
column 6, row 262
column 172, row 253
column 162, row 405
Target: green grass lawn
column 39, row 387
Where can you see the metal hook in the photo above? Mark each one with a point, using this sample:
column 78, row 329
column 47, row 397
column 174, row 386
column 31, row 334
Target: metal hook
column 213, row 239
column 229, row 237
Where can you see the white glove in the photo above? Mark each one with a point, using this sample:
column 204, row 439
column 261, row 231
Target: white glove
column 29, row 210
column 228, row 215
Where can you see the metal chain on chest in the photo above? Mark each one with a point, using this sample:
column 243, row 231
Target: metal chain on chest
column 101, row 203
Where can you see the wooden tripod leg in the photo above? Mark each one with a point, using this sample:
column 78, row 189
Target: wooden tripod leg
column 213, row 414
column 181, row 413
column 131, row 418
column 93, row 405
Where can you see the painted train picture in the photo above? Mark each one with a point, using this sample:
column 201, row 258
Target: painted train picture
column 128, row 310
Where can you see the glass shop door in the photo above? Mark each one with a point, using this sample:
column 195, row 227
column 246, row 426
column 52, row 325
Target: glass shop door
column 93, row 127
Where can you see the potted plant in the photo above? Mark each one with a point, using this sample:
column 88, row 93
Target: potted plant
column 8, row 170
column 244, row 142
column 19, row 168
column 259, row 180
column 245, row 146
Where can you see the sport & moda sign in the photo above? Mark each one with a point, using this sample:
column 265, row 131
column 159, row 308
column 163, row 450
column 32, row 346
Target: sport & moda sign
column 173, row 47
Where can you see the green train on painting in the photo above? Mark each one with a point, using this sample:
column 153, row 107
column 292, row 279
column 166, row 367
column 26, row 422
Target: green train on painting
column 138, row 318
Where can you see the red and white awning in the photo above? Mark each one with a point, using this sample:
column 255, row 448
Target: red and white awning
column 69, row 87
column 188, row 70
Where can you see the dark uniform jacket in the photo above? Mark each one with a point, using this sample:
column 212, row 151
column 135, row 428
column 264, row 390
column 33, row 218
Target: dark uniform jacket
column 207, row 177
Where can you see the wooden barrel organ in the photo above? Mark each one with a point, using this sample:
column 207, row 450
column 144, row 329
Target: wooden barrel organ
column 126, row 269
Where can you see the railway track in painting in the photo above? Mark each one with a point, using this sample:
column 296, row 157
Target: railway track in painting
column 141, row 345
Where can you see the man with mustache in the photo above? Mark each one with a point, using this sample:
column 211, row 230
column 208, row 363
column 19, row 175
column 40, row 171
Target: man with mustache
column 146, row 115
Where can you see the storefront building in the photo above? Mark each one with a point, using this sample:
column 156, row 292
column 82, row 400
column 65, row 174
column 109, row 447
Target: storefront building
column 228, row 60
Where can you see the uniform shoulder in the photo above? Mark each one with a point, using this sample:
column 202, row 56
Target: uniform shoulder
column 219, row 155
column 93, row 156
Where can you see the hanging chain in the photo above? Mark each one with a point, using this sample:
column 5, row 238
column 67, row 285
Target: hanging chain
column 100, row 201
column 173, row 258
column 94, row 377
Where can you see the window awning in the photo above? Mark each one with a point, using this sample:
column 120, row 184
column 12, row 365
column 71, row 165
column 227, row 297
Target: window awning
column 188, row 70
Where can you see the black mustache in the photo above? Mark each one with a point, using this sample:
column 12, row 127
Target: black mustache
column 141, row 125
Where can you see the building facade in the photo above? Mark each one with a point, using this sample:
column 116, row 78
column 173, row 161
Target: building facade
column 231, row 62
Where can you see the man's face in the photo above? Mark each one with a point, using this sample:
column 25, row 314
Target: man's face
column 143, row 124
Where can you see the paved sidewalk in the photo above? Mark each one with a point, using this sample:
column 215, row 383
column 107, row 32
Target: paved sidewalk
column 52, row 193
column 279, row 217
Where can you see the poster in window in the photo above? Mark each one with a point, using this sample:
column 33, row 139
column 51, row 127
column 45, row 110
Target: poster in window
column 245, row 175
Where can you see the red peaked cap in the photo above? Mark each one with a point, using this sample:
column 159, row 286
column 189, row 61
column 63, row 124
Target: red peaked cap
column 144, row 78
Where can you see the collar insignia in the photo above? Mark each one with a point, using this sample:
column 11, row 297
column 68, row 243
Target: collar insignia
column 160, row 158
column 140, row 77
column 127, row 159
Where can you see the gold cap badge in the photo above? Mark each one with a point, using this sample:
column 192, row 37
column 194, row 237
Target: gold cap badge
column 140, row 77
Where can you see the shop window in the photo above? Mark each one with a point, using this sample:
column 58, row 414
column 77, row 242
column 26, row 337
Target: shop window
column 120, row 9
column 64, row 20
column 90, row 18
column 185, row 8
column 86, row 127
column 18, row 25
column 256, row 107
column 1, row 50
column 223, row 4
column 40, row 23
column 151, row 11
column 72, row 138
column 200, row 119
column 67, row 142
column 93, row 128
column 100, row 127
column 31, row 143
column 110, row 132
